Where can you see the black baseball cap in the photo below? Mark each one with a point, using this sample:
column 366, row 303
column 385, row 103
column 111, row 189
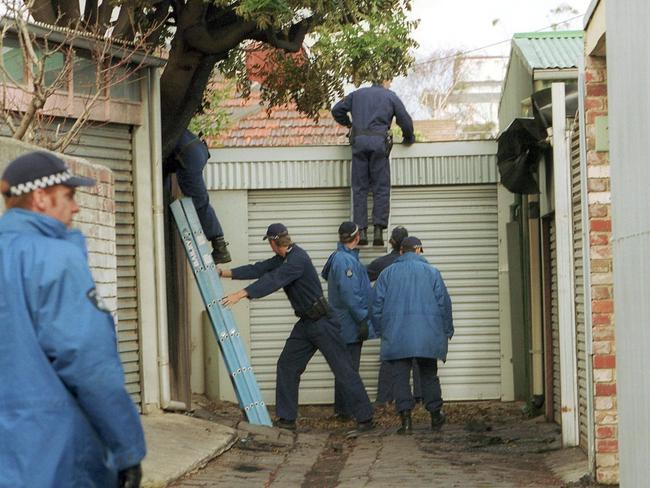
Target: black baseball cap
column 411, row 243
column 398, row 235
column 39, row 169
column 274, row 231
column 348, row 229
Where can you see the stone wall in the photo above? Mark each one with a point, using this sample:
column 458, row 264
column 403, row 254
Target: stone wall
column 600, row 254
column 96, row 218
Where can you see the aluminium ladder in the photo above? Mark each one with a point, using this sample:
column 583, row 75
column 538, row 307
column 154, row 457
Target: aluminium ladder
column 198, row 251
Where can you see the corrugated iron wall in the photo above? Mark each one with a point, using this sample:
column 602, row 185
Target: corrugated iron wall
column 579, row 291
column 111, row 145
column 447, row 163
column 628, row 62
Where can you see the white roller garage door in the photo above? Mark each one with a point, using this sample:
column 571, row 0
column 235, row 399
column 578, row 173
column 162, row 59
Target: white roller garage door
column 459, row 229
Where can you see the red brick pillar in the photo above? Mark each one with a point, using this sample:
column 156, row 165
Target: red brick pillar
column 600, row 255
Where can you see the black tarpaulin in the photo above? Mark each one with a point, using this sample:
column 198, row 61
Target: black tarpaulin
column 520, row 148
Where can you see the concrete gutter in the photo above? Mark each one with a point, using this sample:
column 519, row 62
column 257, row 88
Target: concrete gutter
column 178, row 444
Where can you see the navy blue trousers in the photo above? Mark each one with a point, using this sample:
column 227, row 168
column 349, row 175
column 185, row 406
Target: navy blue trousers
column 386, row 382
column 431, row 393
column 370, row 171
column 305, row 339
column 190, row 180
column 341, row 405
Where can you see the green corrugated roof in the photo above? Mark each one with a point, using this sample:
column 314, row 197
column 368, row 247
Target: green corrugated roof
column 550, row 50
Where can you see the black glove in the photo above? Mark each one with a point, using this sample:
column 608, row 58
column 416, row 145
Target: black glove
column 362, row 330
column 130, row 477
column 408, row 142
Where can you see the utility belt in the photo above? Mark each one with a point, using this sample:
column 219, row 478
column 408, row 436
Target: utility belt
column 388, row 136
column 317, row 310
column 177, row 159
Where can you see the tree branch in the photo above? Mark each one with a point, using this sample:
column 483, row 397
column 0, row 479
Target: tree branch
column 90, row 13
column 124, row 26
column 68, row 12
column 104, row 16
column 42, row 11
column 291, row 41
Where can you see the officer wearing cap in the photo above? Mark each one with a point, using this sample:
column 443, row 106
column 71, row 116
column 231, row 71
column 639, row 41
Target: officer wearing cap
column 316, row 330
column 188, row 160
column 385, row 381
column 349, row 296
column 66, row 418
column 411, row 311
column 372, row 109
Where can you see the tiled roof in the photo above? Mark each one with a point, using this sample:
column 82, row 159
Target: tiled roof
column 282, row 127
column 549, row 50
column 253, row 126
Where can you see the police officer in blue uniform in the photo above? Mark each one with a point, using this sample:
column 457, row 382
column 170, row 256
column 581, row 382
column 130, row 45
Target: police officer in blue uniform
column 385, row 382
column 372, row 109
column 291, row 269
column 66, row 418
column 411, row 310
column 348, row 292
column 188, row 160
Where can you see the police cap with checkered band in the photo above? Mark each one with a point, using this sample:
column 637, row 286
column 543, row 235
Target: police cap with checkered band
column 39, row 169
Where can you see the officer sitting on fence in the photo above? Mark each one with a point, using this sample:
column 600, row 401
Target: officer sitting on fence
column 292, row 269
column 190, row 156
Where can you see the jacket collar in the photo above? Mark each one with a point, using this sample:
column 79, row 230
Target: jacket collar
column 411, row 256
column 343, row 248
column 26, row 221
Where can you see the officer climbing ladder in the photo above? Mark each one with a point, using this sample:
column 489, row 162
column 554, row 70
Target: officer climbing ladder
column 198, row 252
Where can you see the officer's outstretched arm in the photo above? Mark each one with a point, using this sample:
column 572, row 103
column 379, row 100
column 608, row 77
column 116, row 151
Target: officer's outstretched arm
column 280, row 277
column 77, row 334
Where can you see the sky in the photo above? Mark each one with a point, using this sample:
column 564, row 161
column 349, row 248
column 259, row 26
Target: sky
column 470, row 24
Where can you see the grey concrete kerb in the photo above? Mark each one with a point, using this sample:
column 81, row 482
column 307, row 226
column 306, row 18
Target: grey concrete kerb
column 178, row 444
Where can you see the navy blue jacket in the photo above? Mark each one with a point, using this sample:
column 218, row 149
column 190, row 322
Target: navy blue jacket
column 372, row 109
column 411, row 310
column 295, row 273
column 380, row 264
column 348, row 290
column 65, row 416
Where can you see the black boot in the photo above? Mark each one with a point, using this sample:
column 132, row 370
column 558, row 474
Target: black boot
column 363, row 237
column 285, row 424
column 407, row 424
column 220, row 252
column 378, row 239
column 437, row 420
column 362, row 429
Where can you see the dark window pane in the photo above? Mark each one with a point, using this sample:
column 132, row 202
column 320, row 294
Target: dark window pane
column 128, row 86
column 84, row 75
column 13, row 60
column 53, row 66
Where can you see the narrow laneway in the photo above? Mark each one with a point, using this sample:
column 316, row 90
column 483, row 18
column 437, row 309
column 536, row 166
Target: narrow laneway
column 483, row 445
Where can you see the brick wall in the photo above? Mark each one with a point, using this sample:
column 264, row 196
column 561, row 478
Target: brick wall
column 96, row 218
column 602, row 304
